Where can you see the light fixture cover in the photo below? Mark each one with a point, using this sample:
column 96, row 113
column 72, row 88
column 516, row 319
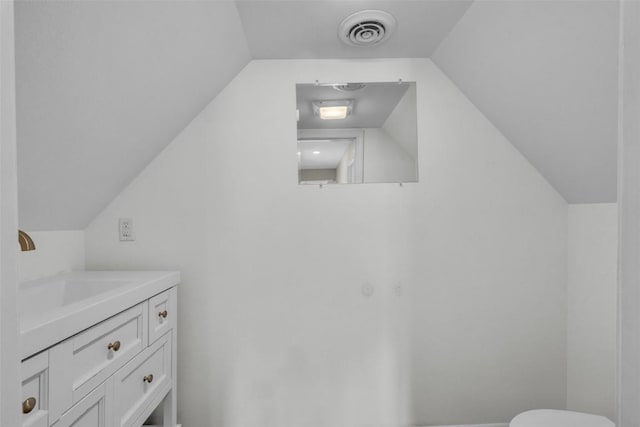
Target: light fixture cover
column 348, row 87
column 333, row 110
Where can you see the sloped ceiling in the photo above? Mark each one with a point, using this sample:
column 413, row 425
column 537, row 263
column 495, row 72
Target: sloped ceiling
column 308, row 29
column 103, row 87
column 545, row 73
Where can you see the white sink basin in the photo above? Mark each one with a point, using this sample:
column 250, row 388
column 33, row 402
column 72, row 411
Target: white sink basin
column 57, row 307
column 44, row 296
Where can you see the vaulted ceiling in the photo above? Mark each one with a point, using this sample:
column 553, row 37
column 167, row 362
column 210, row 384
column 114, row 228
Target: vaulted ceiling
column 103, row 87
column 545, row 73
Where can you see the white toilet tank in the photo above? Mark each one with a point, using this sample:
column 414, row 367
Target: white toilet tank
column 557, row 418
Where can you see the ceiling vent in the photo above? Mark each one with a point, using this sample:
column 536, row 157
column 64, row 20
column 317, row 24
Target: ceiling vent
column 366, row 28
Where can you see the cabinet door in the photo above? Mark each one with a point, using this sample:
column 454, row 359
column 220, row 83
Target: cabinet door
column 35, row 390
column 140, row 385
column 91, row 411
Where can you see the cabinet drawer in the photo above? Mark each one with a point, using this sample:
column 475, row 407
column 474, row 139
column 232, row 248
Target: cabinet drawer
column 34, row 393
column 162, row 314
column 87, row 359
column 141, row 381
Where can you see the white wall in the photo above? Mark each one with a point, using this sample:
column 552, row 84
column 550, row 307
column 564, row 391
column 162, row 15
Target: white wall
column 274, row 328
column 490, row 245
column 56, row 251
column 9, row 361
column 592, row 297
column 628, row 376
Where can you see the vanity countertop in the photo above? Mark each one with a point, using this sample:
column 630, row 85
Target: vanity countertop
column 54, row 308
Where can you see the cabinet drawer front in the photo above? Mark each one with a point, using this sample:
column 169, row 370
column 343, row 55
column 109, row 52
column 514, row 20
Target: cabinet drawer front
column 134, row 388
column 94, row 361
column 34, row 393
column 89, row 412
column 90, row 357
column 162, row 314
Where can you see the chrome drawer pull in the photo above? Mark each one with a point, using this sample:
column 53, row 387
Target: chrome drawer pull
column 115, row 346
column 28, row 405
column 148, row 378
column 163, row 314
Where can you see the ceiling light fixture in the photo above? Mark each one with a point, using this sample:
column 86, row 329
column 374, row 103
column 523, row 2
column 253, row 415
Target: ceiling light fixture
column 333, row 110
column 348, row 87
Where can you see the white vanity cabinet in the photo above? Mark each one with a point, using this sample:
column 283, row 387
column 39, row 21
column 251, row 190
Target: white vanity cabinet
column 113, row 373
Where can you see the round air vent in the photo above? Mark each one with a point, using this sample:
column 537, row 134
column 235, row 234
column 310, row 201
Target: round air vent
column 366, row 28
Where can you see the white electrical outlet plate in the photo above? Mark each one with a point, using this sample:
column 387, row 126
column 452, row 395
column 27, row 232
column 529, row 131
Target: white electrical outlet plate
column 125, row 227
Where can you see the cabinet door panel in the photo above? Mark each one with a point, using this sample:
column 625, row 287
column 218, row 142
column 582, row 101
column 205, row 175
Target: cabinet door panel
column 89, row 412
column 141, row 381
column 35, row 390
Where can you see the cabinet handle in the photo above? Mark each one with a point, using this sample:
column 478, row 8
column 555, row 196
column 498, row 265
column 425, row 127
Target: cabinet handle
column 115, row 346
column 28, row 405
column 148, row 378
column 163, row 314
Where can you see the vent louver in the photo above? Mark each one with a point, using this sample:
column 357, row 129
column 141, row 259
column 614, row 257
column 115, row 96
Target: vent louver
column 366, row 28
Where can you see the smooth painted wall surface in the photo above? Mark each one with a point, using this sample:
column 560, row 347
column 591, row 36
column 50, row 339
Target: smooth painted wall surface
column 628, row 387
column 489, row 241
column 9, row 360
column 56, row 252
column 277, row 325
column 592, row 296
